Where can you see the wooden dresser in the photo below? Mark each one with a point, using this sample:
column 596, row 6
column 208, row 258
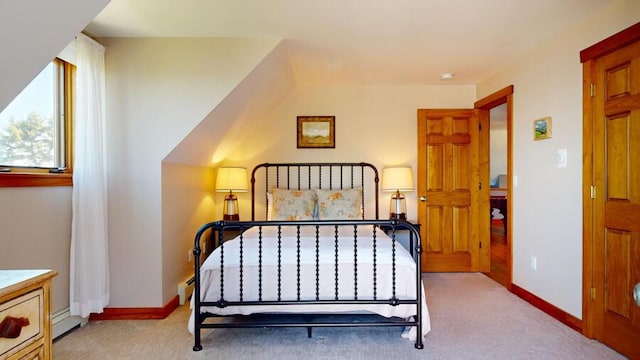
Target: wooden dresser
column 25, row 314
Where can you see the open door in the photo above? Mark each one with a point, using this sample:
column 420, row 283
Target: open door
column 501, row 255
column 453, row 202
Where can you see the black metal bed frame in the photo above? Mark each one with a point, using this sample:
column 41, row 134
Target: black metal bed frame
column 308, row 321
column 337, row 175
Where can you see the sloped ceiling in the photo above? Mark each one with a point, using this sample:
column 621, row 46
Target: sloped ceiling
column 32, row 33
column 365, row 42
column 212, row 141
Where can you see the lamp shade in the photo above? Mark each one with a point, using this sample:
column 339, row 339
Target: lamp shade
column 397, row 179
column 232, row 179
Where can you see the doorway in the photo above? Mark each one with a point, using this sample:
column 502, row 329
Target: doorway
column 500, row 107
column 498, row 193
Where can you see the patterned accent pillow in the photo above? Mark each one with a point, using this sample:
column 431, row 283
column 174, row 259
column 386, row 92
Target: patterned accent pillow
column 345, row 204
column 293, row 204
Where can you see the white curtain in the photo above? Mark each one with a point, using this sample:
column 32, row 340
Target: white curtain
column 89, row 289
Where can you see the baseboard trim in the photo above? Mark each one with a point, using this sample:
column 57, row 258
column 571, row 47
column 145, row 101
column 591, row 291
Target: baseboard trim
column 137, row 313
column 558, row 314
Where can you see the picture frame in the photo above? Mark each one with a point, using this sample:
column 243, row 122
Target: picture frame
column 542, row 128
column 316, row 132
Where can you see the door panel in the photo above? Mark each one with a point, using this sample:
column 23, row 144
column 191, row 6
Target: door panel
column 617, row 211
column 461, row 234
column 461, row 169
column 448, row 176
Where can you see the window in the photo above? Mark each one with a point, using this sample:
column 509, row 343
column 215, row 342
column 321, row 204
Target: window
column 35, row 130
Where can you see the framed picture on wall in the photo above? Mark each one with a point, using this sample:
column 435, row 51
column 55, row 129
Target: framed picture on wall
column 542, row 128
column 316, row 132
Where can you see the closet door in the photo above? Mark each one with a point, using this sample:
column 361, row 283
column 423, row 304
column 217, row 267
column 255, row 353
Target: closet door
column 612, row 191
column 617, row 207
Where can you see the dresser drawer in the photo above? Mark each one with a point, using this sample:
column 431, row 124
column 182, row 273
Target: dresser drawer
column 35, row 354
column 29, row 306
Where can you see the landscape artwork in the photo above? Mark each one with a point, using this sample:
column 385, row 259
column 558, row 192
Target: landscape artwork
column 316, row 131
column 542, row 128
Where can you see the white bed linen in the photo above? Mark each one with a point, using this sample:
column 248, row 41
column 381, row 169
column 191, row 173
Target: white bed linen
column 405, row 273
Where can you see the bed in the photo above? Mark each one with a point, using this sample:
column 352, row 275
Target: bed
column 311, row 256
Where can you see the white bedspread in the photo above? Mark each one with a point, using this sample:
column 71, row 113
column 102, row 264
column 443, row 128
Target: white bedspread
column 405, row 269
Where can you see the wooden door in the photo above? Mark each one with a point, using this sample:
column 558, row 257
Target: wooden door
column 454, row 204
column 616, row 203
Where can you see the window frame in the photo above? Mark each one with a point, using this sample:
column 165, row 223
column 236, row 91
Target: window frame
column 33, row 176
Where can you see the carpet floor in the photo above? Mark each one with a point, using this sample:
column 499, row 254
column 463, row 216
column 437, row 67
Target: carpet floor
column 472, row 317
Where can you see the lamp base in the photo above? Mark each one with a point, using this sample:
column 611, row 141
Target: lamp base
column 231, row 212
column 234, row 217
column 401, row 216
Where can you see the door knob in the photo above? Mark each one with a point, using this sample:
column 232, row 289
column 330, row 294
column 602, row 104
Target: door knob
column 636, row 294
column 423, row 198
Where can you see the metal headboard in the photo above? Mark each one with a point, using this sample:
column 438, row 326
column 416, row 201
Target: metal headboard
column 303, row 176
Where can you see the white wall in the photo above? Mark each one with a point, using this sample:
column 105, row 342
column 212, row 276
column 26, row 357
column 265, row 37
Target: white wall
column 214, row 139
column 498, row 142
column 547, row 203
column 497, row 153
column 187, row 204
column 158, row 90
column 36, row 234
column 376, row 124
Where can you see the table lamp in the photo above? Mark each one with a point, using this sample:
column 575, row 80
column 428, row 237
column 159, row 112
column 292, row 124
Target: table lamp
column 398, row 180
column 231, row 179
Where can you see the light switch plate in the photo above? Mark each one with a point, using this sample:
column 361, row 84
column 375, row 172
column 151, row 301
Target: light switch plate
column 562, row 158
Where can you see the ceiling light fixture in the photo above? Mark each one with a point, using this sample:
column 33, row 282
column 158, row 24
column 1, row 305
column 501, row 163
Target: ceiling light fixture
column 446, row 76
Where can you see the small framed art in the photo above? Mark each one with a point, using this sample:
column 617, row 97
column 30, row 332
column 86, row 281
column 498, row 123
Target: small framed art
column 542, row 128
column 316, row 132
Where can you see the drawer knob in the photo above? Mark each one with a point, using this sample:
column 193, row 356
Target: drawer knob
column 11, row 327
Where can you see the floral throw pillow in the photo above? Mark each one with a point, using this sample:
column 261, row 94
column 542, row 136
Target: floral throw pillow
column 293, row 204
column 344, row 204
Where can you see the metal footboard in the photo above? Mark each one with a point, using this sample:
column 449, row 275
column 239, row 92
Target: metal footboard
column 365, row 240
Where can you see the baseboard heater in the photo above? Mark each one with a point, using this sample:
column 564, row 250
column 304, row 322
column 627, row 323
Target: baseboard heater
column 185, row 289
column 62, row 322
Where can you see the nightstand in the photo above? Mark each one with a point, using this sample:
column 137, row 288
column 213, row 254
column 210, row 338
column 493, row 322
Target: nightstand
column 228, row 234
column 211, row 241
column 404, row 236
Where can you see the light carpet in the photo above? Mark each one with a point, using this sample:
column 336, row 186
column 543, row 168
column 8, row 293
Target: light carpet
column 472, row 317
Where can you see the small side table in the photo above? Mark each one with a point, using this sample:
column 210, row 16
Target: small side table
column 405, row 234
column 228, row 234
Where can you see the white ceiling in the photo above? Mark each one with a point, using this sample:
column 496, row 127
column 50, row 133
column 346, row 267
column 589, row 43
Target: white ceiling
column 363, row 42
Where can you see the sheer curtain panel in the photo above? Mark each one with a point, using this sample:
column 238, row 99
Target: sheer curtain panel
column 89, row 292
